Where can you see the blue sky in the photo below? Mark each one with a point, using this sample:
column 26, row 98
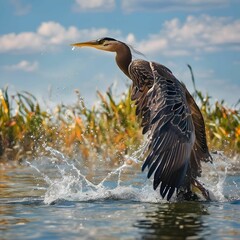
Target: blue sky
column 35, row 35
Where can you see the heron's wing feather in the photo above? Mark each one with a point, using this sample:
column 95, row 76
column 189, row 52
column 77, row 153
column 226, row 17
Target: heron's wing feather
column 200, row 148
column 166, row 116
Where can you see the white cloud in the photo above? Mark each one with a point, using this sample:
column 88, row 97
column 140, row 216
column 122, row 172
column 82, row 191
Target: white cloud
column 130, row 38
column 49, row 35
column 171, row 5
column 25, row 40
column 94, row 5
column 195, row 35
column 23, row 65
column 54, row 33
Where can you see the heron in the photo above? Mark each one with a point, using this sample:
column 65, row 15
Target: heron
column 176, row 137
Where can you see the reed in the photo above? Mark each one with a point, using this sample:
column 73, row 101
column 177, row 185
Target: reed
column 222, row 122
column 109, row 130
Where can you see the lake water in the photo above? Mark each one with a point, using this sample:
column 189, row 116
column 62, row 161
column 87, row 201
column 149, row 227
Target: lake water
column 56, row 197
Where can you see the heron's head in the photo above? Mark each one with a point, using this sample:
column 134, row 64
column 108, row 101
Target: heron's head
column 106, row 44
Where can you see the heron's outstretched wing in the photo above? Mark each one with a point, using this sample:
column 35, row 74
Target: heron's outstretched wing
column 166, row 116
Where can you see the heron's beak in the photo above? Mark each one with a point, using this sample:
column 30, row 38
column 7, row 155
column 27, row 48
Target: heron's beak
column 93, row 44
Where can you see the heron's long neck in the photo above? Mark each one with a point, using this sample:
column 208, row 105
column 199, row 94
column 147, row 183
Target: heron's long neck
column 124, row 58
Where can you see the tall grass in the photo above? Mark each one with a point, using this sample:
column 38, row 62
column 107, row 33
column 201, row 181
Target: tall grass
column 22, row 123
column 110, row 130
column 222, row 122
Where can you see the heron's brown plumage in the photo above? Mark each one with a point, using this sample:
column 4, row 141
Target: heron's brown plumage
column 175, row 126
column 171, row 118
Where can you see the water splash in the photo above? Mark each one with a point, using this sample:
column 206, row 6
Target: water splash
column 214, row 176
column 67, row 179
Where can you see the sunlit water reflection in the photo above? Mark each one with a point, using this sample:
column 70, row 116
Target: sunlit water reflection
column 56, row 197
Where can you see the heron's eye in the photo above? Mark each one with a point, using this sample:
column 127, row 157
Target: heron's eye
column 100, row 41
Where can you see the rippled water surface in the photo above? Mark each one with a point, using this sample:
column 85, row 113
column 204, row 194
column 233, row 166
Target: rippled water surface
column 59, row 198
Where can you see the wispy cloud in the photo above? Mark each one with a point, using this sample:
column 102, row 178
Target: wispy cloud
column 171, row 5
column 23, row 65
column 194, row 35
column 20, row 7
column 49, row 35
column 94, row 5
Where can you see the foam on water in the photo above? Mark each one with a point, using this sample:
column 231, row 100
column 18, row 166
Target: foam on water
column 70, row 189
column 67, row 181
